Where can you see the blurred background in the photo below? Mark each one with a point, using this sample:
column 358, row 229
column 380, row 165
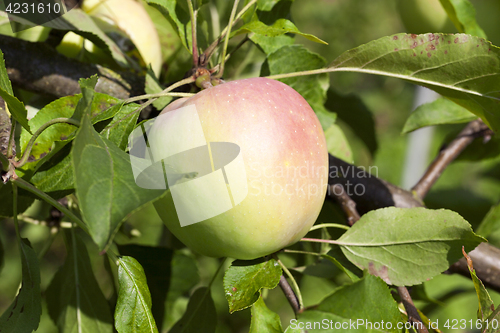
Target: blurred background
column 469, row 186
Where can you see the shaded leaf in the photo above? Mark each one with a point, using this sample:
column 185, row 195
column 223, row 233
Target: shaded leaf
column 441, row 111
column 184, row 277
column 313, row 88
column 133, row 308
column 407, row 246
column 2, row 253
column 280, row 27
column 200, row 315
column 485, row 304
column 479, row 150
column 75, row 300
column 157, row 265
column 16, row 107
column 351, row 109
column 337, row 143
column 463, row 16
column 118, row 130
column 243, row 281
column 271, row 44
column 23, row 315
column 6, row 195
column 263, row 319
column 104, row 183
column 56, row 175
column 462, row 68
column 177, row 18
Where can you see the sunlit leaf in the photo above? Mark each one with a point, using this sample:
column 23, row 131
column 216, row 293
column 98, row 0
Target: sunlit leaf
column 463, row 16
column 407, row 246
column 244, row 280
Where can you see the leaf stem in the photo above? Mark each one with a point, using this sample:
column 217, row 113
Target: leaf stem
column 317, row 240
column 12, row 140
column 226, row 40
column 294, row 282
column 14, row 210
column 47, row 198
column 158, row 95
column 194, row 43
column 329, row 225
column 39, row 131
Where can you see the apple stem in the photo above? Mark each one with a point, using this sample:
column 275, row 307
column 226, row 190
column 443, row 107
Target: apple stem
column 194, row 42
column 329, row 225
column 165, row 92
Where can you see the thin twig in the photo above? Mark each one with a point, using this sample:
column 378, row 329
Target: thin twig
column 473, row 130
column 297, row 294
column 226, row 40
column 289, row 294
column 411, row 310
column 10, row 148
column 348, row 205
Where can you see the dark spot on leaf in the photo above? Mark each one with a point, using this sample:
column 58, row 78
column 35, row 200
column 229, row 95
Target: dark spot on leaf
column 429, row 54
column 42, row 155
column 432, row 47
column 414, row 45
column 413, row 36
column 15, row 303
column 421, row 52
column 36, row 143
column 432, row 37
column 22, row 309
column 492, row 307
column 445, row 51
column 396, row 49
column 456, row 40
column 32, row 158
column 477, row 45
column 64, row 137
column 449, row 42
column 414, row 54
column 10, row 315
column 382, row 273
column 395, row 37
column 234, row 289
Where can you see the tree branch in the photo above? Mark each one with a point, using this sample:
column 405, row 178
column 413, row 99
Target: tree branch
column 377, row 193
column 411, row 310
column 473, row 130
column 40, row 68
column 348, row 205
column 289, row 294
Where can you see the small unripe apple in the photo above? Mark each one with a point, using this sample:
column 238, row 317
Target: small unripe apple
column 285, row 163
column 423, row 16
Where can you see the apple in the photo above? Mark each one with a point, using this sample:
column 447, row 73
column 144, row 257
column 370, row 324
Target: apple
column 423, row 16
column 285, row 160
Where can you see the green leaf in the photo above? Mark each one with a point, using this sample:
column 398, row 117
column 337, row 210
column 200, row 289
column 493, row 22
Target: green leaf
column 153, row 87
column 463, row 16
column 133, row 308
column 2, row 254
column 337, row 143
column 353, row 111
column 23, row 315
column 351, row 307
column 243, row 281
column 271, row 44
column 104, row 183
column 16, row 108
column 55, row 137
column 157, row 265
column 56, row 175
column 441, row 111
column 123, row 123
column 407, row 246
column 200, row 315
column 490, row 223
column 280, row 27
column 184, row 277
column 266, row 5
column 177, row 17
column 486, row 306
column 313, row 88
column 263, row 319
column 462, row 68
column 75, row 300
